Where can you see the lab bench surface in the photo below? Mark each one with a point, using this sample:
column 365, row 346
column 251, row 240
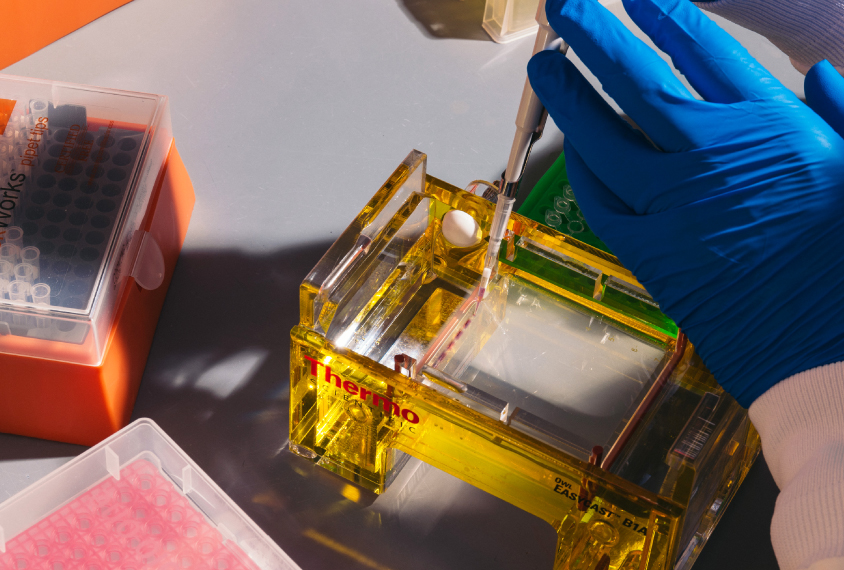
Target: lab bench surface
column 289, row 115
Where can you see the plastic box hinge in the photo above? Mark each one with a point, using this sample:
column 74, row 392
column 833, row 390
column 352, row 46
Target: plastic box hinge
column 149, row 268
column 187, row 481
column 112, row 462
column 227, row 534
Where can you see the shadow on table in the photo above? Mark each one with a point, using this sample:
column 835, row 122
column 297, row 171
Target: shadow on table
column 16, row 447
column 218, row 383
column 743, row 537
column 444, row 19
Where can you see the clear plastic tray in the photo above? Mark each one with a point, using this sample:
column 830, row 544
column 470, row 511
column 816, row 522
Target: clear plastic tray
column 578, row 376
column 132, row 502
column 79, row 165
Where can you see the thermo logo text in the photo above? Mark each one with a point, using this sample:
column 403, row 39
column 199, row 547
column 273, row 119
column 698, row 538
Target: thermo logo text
column 364, row 394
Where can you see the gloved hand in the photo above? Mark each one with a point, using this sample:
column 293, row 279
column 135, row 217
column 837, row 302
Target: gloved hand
column 733, row 216
column 824, row 89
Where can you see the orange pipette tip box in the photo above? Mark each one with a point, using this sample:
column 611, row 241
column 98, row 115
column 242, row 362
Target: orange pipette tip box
column 29, row 25
column 95, row 207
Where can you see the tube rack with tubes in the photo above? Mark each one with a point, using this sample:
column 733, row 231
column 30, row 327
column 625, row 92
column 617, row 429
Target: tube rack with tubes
column 71, row 190
column 566, row 392
column 95, row 209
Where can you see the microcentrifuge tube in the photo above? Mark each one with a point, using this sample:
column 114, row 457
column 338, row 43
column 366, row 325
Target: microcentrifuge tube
column 568, row 193
column 575, row 227
column 40, row 294
column 24, row 272
column 37, row 106
column 18, row 290
column 21, row 135
column 553, row 219
column 562, row 205
column 4, row 287
column 7, row 270
column 14, row 236
column 9, row 253
column 32, row 256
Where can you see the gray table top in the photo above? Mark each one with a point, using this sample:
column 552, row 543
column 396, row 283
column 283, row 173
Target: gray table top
column 289, row 115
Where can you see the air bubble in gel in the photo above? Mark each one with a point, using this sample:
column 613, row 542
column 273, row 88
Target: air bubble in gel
column 553, row 219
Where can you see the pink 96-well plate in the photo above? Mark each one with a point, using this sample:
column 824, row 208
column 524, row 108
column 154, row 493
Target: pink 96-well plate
column 140, row 521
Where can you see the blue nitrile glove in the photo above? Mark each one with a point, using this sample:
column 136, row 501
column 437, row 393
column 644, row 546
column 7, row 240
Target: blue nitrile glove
column 735, row 223
column 824, row 89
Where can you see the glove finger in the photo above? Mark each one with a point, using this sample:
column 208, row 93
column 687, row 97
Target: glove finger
column 824, row 89
column 629, row 71
column 605, row 212
column 621, row 158
column 716, row 65
column 611, row 148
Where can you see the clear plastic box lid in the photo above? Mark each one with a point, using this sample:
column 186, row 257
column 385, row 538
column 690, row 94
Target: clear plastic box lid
column 77, row 167
column 133, row 501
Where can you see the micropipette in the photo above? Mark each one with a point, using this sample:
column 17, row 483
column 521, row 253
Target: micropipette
column 530, row 121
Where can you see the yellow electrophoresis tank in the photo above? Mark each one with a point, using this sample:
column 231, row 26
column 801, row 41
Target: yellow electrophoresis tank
column 566, row 392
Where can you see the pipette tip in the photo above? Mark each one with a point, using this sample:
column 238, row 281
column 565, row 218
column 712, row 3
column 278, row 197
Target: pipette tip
column 485, row 275
column 481, row 293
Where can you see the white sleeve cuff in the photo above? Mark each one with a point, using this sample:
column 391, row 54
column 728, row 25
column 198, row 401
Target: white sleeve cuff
column 806, row 31
column 828, row 564
column 801, row 422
